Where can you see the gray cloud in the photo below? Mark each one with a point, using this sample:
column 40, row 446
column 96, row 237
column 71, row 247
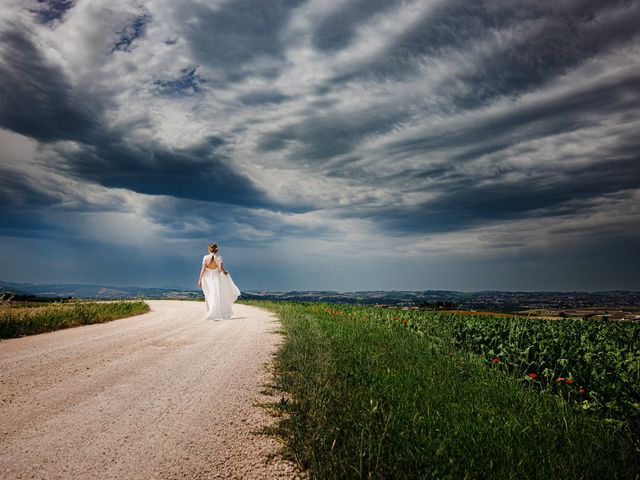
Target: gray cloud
column 432, row 129
column 38, row 101
column 544, row 118
column 134, row 30
column 200, row 172
column 17, row 189
column 547, row 40
column 51, row 10
column 337, row 30
column 235, row 33
column 231, row 225
column 24, row 205
column 329, row 135
column 189, row 82
column 264, row 97
column 464, row 204
column 36, row 98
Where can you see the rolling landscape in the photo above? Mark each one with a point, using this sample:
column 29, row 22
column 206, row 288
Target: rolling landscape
column 608, row 305
column 430, row 208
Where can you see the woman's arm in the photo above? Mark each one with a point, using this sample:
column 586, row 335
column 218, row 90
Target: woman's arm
column 204, row 267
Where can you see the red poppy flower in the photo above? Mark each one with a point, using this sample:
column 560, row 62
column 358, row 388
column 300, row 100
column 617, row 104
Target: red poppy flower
column 396, row 318
column 532, row 375
column 495, row 360
column 582, row 391
column 568, row 381
column 560, row 379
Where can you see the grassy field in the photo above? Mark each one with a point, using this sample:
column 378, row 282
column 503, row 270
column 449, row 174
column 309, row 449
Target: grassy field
column 371, row 393
column 18, row 319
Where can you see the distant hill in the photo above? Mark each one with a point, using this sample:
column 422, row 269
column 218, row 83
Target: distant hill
column 94, row 291
column 497, row 301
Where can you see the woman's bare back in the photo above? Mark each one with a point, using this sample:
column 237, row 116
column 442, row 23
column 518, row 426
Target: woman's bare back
column 212, row 264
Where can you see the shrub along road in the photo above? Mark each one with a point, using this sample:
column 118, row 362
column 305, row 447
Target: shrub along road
column 160, row 395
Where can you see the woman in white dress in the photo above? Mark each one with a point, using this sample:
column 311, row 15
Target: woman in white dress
column 219, row 290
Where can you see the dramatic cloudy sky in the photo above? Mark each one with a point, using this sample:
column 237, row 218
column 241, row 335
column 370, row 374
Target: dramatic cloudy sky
column 323, row 144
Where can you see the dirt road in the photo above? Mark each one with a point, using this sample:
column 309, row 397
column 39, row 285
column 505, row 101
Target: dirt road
column 161, row 395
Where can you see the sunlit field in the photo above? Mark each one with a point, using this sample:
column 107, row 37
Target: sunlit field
column 370, row 392
column 27, row 318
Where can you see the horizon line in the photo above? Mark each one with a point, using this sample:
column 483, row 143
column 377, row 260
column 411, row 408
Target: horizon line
column 175, row 287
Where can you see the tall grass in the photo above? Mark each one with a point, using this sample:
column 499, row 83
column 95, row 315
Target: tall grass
column 367, row 398
column 20, row 320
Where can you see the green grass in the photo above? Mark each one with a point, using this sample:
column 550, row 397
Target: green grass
column 363, row 397
column 18, row 321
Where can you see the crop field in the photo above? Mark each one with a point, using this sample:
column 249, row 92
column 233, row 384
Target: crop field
column 595, row 364
column 369, row 392
column 27, row 318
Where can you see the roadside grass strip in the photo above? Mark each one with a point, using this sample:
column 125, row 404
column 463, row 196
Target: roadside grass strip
column 368, row 395
column 33, row 319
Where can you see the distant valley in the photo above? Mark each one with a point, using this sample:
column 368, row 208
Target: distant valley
column 554, row 303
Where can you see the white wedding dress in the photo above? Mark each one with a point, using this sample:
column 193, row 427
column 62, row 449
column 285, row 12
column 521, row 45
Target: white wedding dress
column 219, row 291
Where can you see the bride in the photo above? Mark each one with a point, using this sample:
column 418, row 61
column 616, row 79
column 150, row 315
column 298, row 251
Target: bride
column 219, row 290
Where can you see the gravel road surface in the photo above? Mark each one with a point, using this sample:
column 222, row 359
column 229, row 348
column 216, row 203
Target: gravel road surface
column 161, row 395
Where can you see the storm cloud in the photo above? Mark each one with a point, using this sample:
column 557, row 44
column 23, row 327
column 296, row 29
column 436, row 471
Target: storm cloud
column 452, row 142
column 36, row 98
